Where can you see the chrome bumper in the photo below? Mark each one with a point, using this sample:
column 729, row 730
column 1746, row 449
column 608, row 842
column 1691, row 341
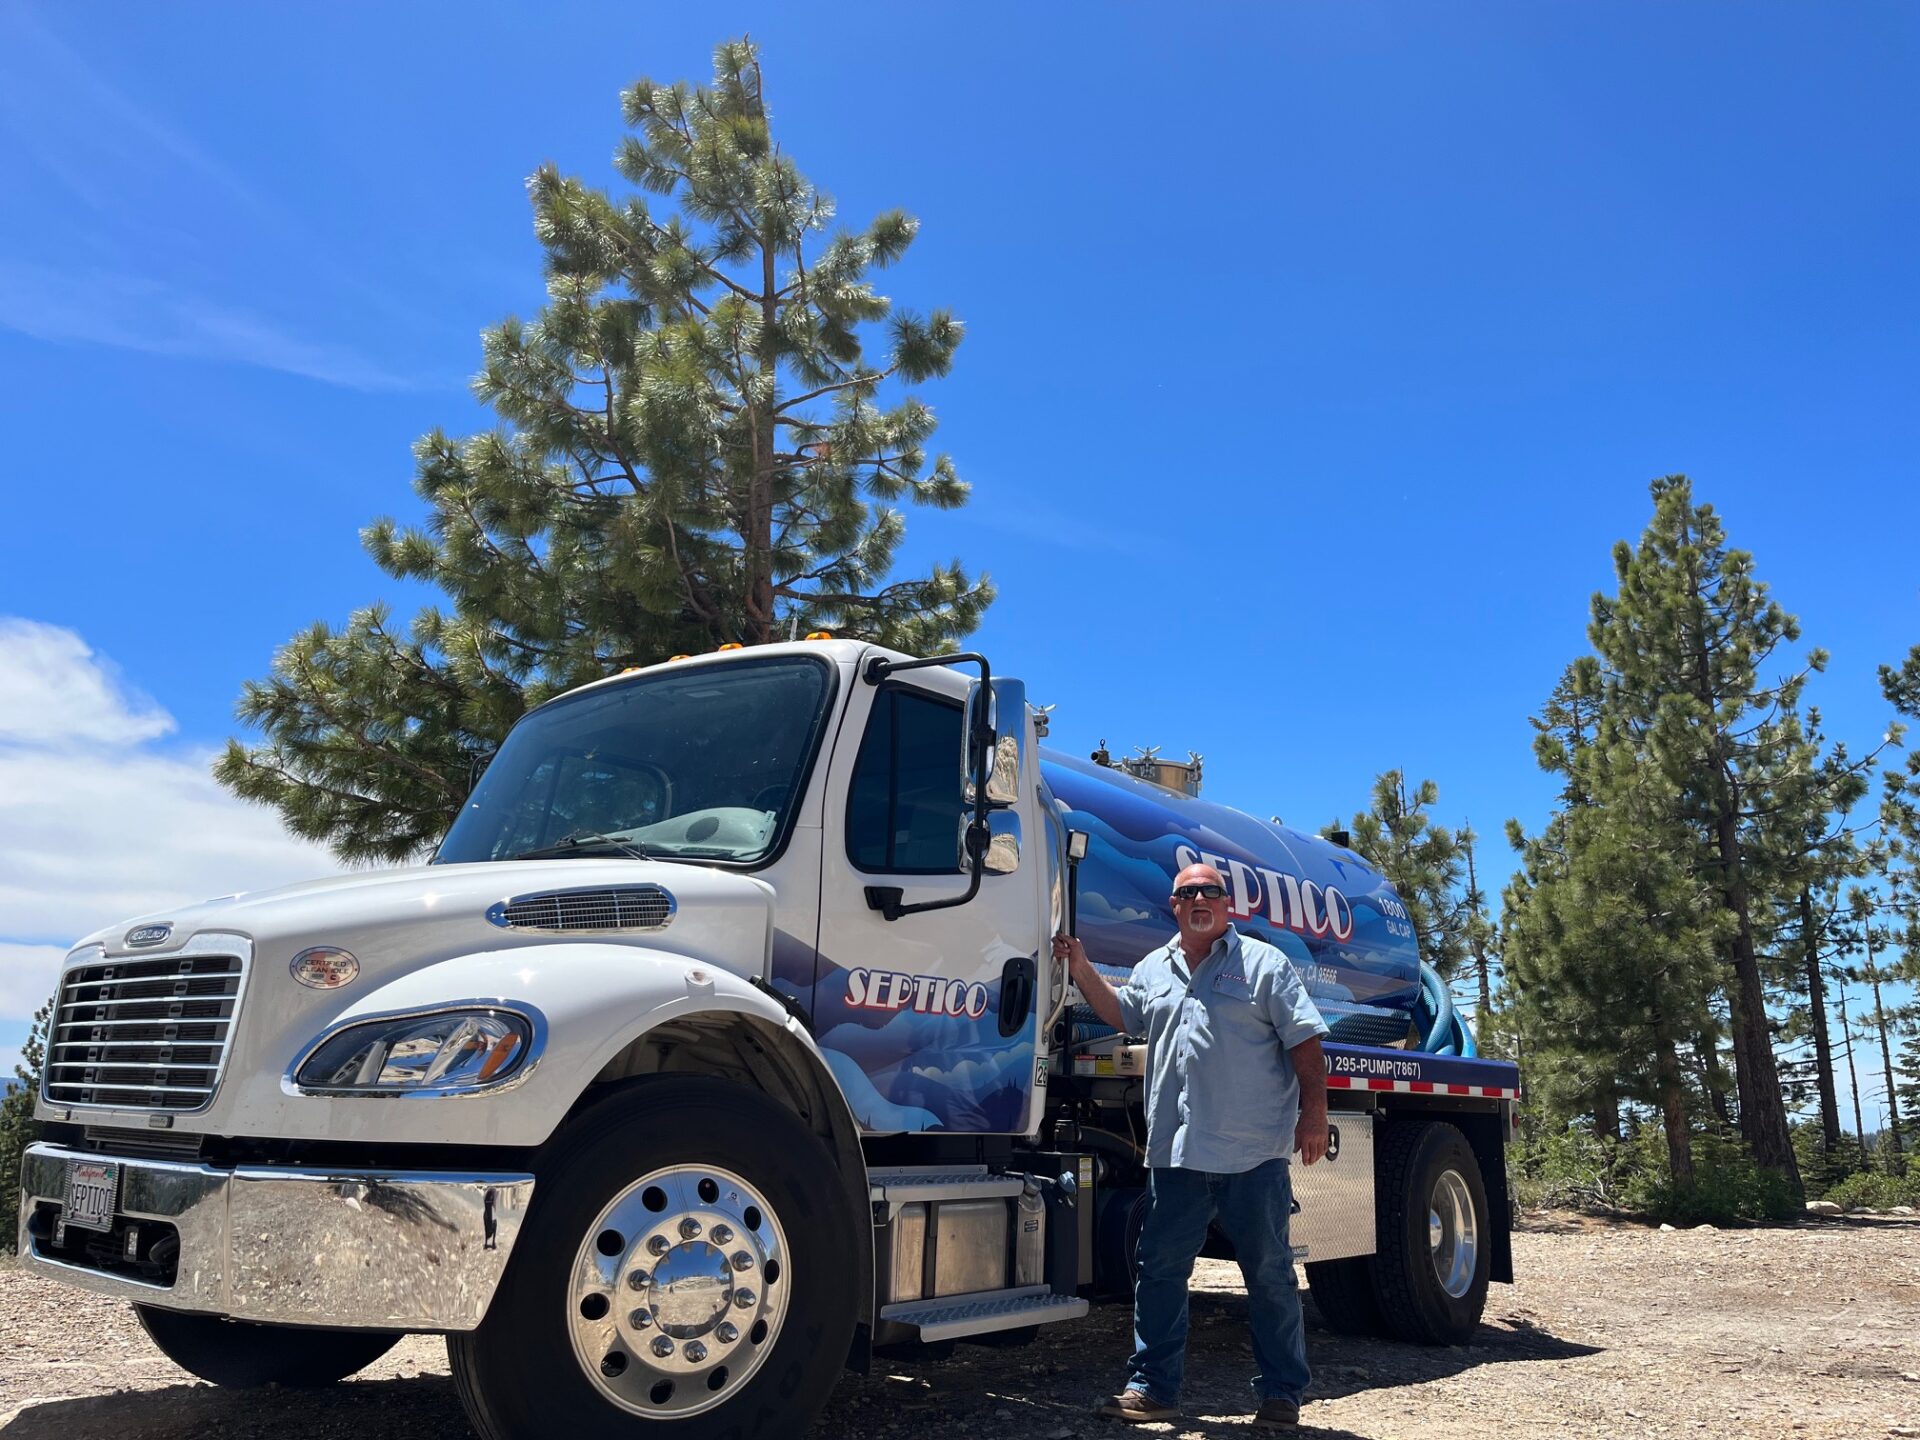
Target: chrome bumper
column 374, row 1249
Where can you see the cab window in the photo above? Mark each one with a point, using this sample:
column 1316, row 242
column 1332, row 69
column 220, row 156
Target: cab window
column 903, row 814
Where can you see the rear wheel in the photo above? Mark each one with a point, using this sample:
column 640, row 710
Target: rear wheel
column 1343, row 1293
column 686, row 1270
column 1435, row 1255
column 239, row 1354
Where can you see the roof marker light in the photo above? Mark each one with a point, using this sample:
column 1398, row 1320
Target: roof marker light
column 730, row 645
column 819, row 635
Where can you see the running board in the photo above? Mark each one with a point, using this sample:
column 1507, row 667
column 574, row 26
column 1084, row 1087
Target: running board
column 955, row 1316
column 903, row 1186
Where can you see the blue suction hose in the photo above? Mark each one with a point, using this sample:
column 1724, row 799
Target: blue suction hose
column 1446, row 1032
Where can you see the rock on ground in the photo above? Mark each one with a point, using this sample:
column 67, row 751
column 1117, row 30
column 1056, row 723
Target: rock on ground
column 1613, row 1330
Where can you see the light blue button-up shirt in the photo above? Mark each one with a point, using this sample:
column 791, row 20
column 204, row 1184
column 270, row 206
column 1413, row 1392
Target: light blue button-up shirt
column 1221, row 1093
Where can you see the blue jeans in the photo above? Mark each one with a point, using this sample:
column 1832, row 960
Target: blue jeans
column 1252, row 1209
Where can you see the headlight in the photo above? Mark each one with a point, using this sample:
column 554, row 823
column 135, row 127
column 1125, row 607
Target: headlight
column 451, row 1050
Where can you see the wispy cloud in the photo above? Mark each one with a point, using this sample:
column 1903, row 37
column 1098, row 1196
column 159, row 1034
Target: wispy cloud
column 134, row 173
column 128, row 312
column 1034, row 520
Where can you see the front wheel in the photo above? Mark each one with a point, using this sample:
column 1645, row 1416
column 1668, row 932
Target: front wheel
column 240, row 1355
column 1436, row 1254
column 686, row 1270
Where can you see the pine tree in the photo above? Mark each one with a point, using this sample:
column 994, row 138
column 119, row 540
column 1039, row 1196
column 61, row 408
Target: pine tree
column 1685, row 644
column 1609, row 936
column 696, row 448
column 1481, row 940
column 18, row 1128
column 1874, row 940
column 1398, row 837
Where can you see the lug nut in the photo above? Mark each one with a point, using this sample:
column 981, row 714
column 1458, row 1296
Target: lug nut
column 638, row 1279
column 659, row 1245
column 745, row 1299
column 728, row 1332
column 689, row 1228
column 742, row 1260
column 695, row 1351
column 640, row 1319
column 662, row 1346
column 722, row 1235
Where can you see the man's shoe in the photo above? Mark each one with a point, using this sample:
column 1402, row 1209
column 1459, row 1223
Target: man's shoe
column 1136, row 1407
column 1278, row 1415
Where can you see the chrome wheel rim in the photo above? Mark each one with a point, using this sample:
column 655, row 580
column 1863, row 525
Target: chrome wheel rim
column 1453, row 1234
column 678, row 1290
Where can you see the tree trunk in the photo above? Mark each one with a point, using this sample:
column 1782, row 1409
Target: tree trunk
column 1886, row 1051
column 1483, row 1018
column 1673, row 1103
column 1606, row 1110
column 1706, row 1063
column 1853, row 1077
column 1763, row 1112
column 1822, row 1047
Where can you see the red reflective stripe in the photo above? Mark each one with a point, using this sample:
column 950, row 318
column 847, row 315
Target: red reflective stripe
column 1459, row 1089
column 1379, row 1084
column 1420, row 1087
column 1339, row 1082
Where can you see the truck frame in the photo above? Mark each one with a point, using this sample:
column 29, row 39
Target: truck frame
column 721, row 1046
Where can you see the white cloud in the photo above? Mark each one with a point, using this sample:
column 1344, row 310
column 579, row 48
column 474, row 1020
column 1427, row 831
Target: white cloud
column 27, row 974
column 54, row 691
column 113, row 826
column 127, row 312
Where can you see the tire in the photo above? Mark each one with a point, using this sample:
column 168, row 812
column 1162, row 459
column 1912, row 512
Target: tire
column 1343, row 1293
column 1424, row 1168
column 240, row 1355
column 755, row 1185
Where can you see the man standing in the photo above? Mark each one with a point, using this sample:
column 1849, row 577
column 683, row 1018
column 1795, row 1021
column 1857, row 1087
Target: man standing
column 1233, row 1057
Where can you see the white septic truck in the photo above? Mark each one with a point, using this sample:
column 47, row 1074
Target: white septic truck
column 720, row 1046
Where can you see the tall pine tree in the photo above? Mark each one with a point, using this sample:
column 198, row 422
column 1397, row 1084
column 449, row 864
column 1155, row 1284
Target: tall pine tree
column 1398, row 836
column 1687, row 645
column 700, row 443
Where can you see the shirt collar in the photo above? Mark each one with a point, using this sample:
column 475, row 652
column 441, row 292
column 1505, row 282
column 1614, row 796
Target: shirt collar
column 1227, row 943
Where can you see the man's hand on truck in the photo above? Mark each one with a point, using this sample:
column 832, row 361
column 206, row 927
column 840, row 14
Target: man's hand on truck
column 1309, row 1061
column 1091, row 984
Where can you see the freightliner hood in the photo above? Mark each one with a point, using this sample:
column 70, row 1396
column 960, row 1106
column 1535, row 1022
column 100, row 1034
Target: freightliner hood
column 398, row 922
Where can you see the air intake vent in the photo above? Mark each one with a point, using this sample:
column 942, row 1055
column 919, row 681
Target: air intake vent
column 627, row 907
column 148, row 1034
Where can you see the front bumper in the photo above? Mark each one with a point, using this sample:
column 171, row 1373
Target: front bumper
column 372, row 1249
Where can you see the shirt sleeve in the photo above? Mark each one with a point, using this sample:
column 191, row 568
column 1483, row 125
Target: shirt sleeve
column 1296, row 1019
column 1133, row 1000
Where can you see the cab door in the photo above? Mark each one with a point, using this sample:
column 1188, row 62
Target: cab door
column 930, row 1021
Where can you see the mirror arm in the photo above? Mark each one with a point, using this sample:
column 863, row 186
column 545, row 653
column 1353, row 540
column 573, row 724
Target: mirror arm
column 886, row 898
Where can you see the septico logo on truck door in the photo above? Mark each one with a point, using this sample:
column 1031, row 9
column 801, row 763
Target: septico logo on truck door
column 923, row 994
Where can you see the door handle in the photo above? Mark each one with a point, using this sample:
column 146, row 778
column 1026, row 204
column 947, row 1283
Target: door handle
column 1016, row 994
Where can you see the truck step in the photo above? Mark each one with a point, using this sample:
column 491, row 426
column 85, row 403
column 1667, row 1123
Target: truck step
column 953, row 1316
column 953, row 1182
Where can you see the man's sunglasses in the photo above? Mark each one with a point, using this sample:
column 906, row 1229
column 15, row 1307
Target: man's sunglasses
column 1199, row 892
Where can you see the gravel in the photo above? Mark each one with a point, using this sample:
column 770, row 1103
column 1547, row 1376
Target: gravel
column 1811, row 1330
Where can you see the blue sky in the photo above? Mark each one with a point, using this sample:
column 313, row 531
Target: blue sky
column 1317, row 354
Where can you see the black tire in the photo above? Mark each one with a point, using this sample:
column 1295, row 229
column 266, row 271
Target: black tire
column 517, row 1374
column 1343, row 1293
column 240, row 1355
column 1411, row 1161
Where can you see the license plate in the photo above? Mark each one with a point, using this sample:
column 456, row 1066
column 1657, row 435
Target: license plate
column 91, row 1188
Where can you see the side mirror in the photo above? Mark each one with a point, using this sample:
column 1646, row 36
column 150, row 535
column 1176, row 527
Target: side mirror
column 1003, row 843
column 1006, row 716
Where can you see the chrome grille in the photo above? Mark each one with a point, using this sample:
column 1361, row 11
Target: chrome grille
column 149, row 1033
column 626, row 907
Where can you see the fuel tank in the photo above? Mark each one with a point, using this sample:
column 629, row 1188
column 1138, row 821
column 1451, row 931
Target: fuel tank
column 1324, row 907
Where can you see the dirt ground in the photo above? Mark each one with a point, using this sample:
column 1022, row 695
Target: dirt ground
column 1612, row 1330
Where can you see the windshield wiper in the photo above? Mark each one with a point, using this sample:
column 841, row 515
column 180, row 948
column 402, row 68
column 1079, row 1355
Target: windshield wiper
column 580, row 840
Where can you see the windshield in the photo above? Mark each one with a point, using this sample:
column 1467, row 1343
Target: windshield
column 701, row 763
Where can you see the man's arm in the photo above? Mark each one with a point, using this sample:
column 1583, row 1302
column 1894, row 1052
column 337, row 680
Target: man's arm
column 1309, row 1062
column 1092, row 984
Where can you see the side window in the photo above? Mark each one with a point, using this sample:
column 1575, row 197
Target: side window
column 903, row 814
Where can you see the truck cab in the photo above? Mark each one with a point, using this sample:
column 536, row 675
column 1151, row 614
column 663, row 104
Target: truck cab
column 719, row 1043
